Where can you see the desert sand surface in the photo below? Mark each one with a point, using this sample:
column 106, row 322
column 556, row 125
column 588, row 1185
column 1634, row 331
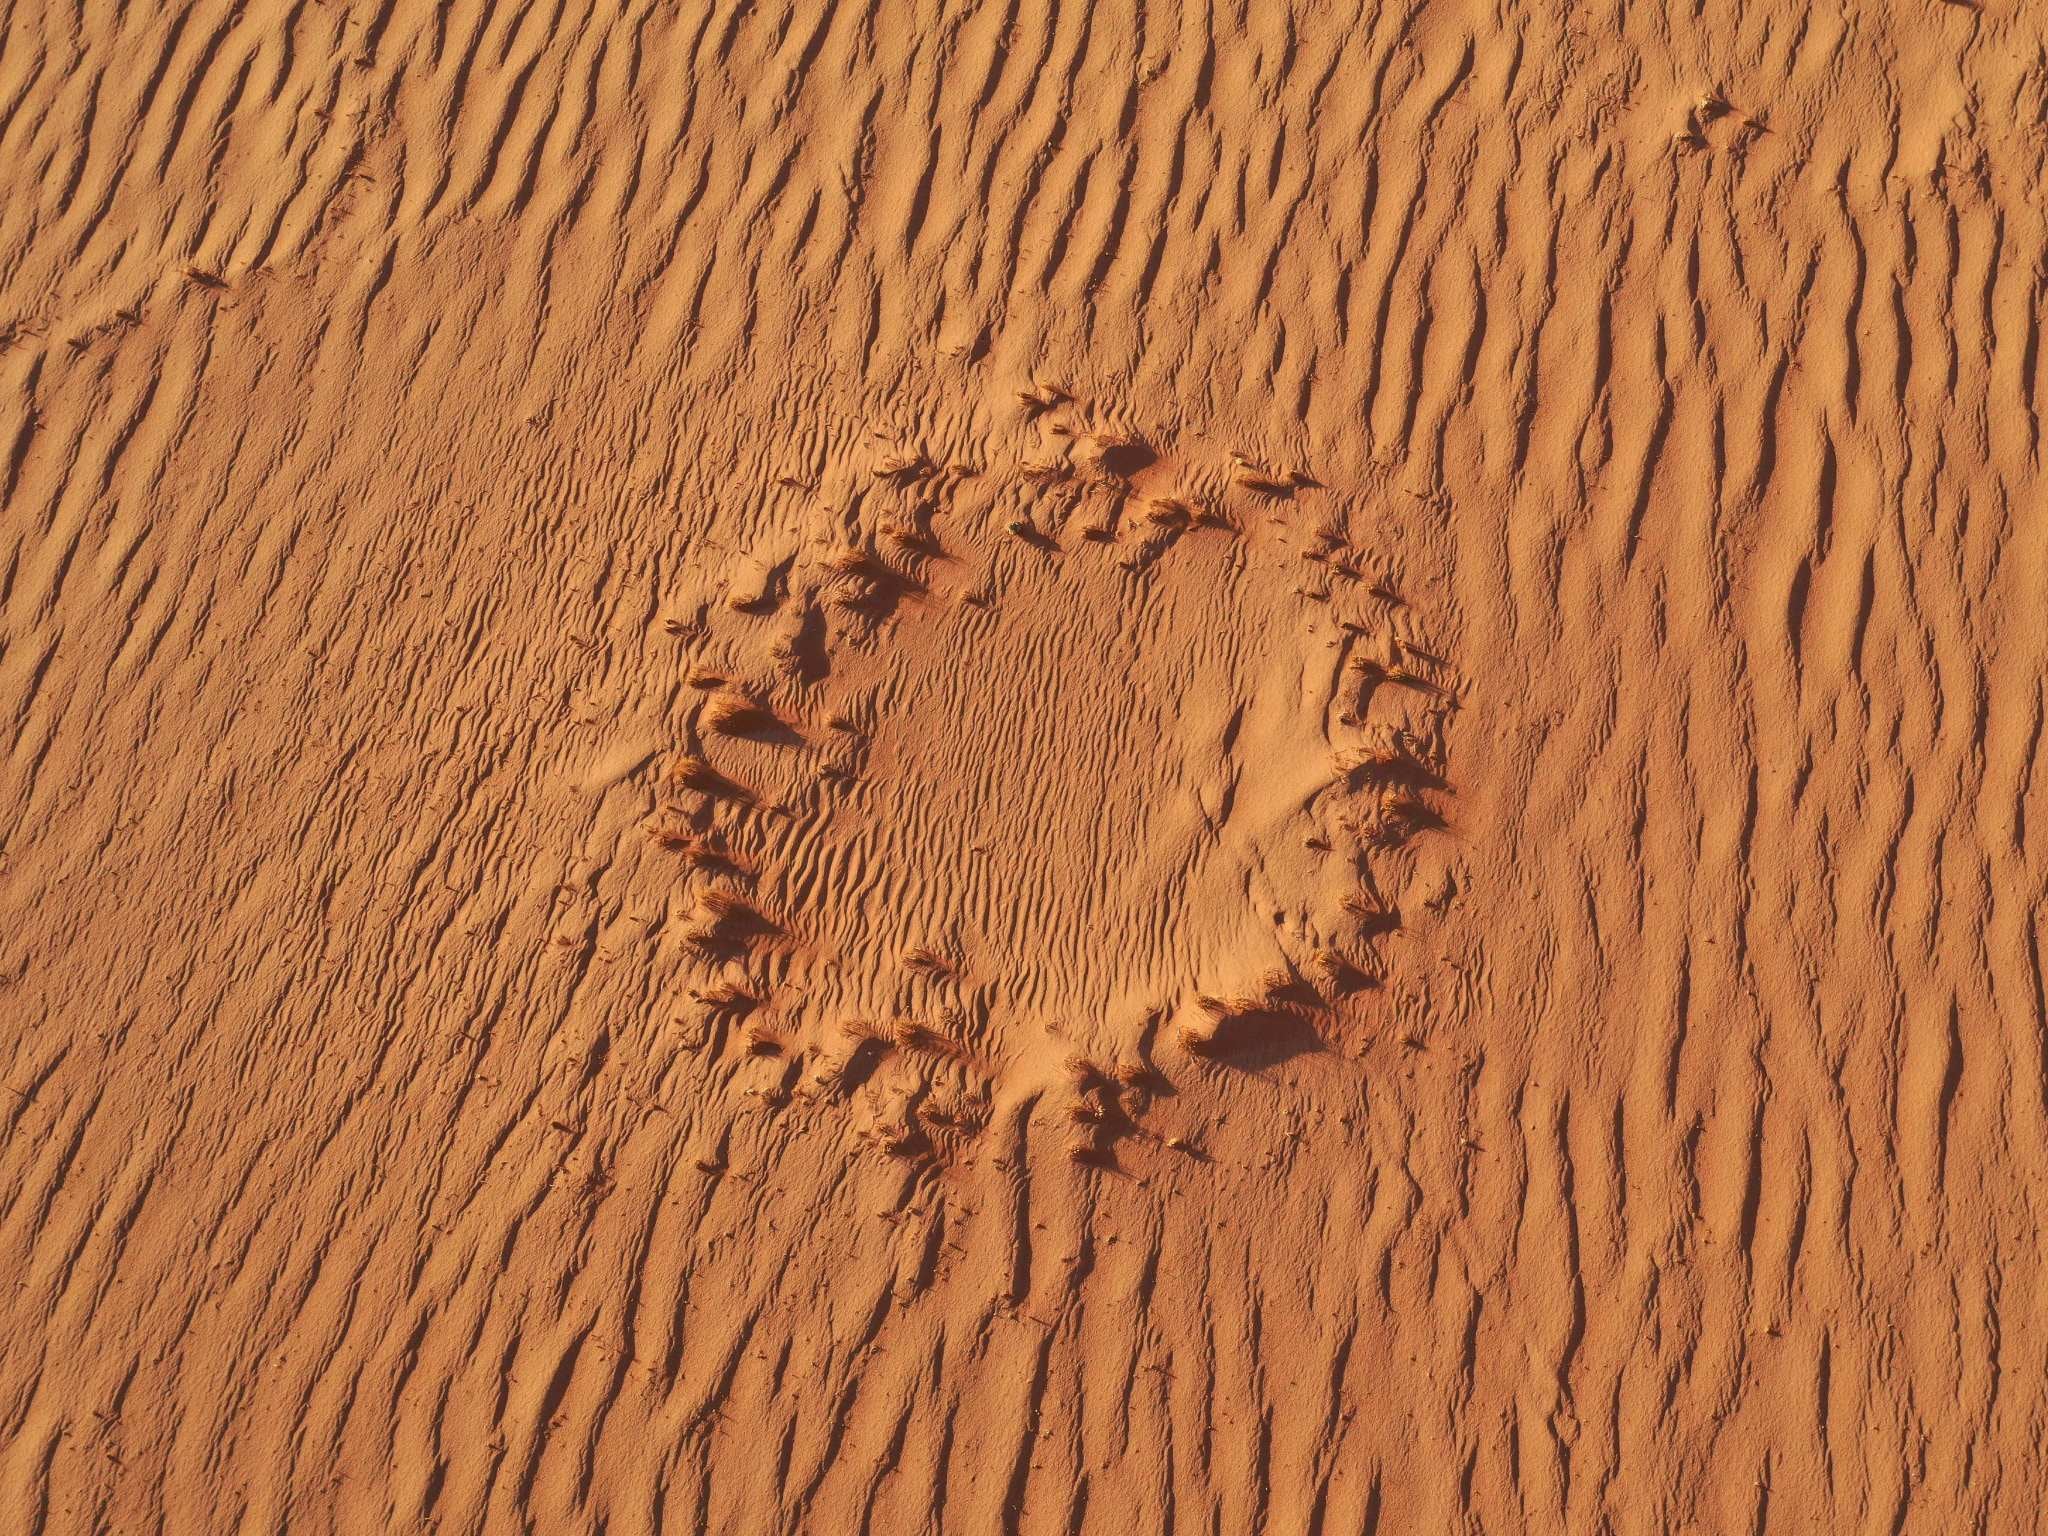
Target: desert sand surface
column 1024, row 767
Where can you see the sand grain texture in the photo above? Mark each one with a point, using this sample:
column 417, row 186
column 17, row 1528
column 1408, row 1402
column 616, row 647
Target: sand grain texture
column 1035, row 767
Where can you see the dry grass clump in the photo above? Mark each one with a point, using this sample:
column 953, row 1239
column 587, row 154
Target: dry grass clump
column 1369, row 669
column 693, row 772
column 735, row 713
column 1365, row 909
column 1336, row 974
column 1276, row 982
column 697, row 850
column 724, row 921
column 1257, row 478
column 729, row 907
column 909, row 541
column 900, row 1140
column 851, row 560
column 1081, row 1071
column 902, row 466
column 1092, row 1108
column 928, row 962
column 1087, row 1151
column 1224, row 1009
column 863, row 583
column 1042, row 396
column 1118, row 454
column 1268, row 480
column 914, row 1035
column 1323, row 544
column 728, row 997
column 1393, row 818
column 1133, row 1074
column 1372, row 757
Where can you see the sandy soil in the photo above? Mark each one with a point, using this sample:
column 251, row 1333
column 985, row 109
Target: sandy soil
column 1038, row 767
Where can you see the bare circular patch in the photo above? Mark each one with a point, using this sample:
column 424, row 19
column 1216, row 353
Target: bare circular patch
column 1051, row 770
